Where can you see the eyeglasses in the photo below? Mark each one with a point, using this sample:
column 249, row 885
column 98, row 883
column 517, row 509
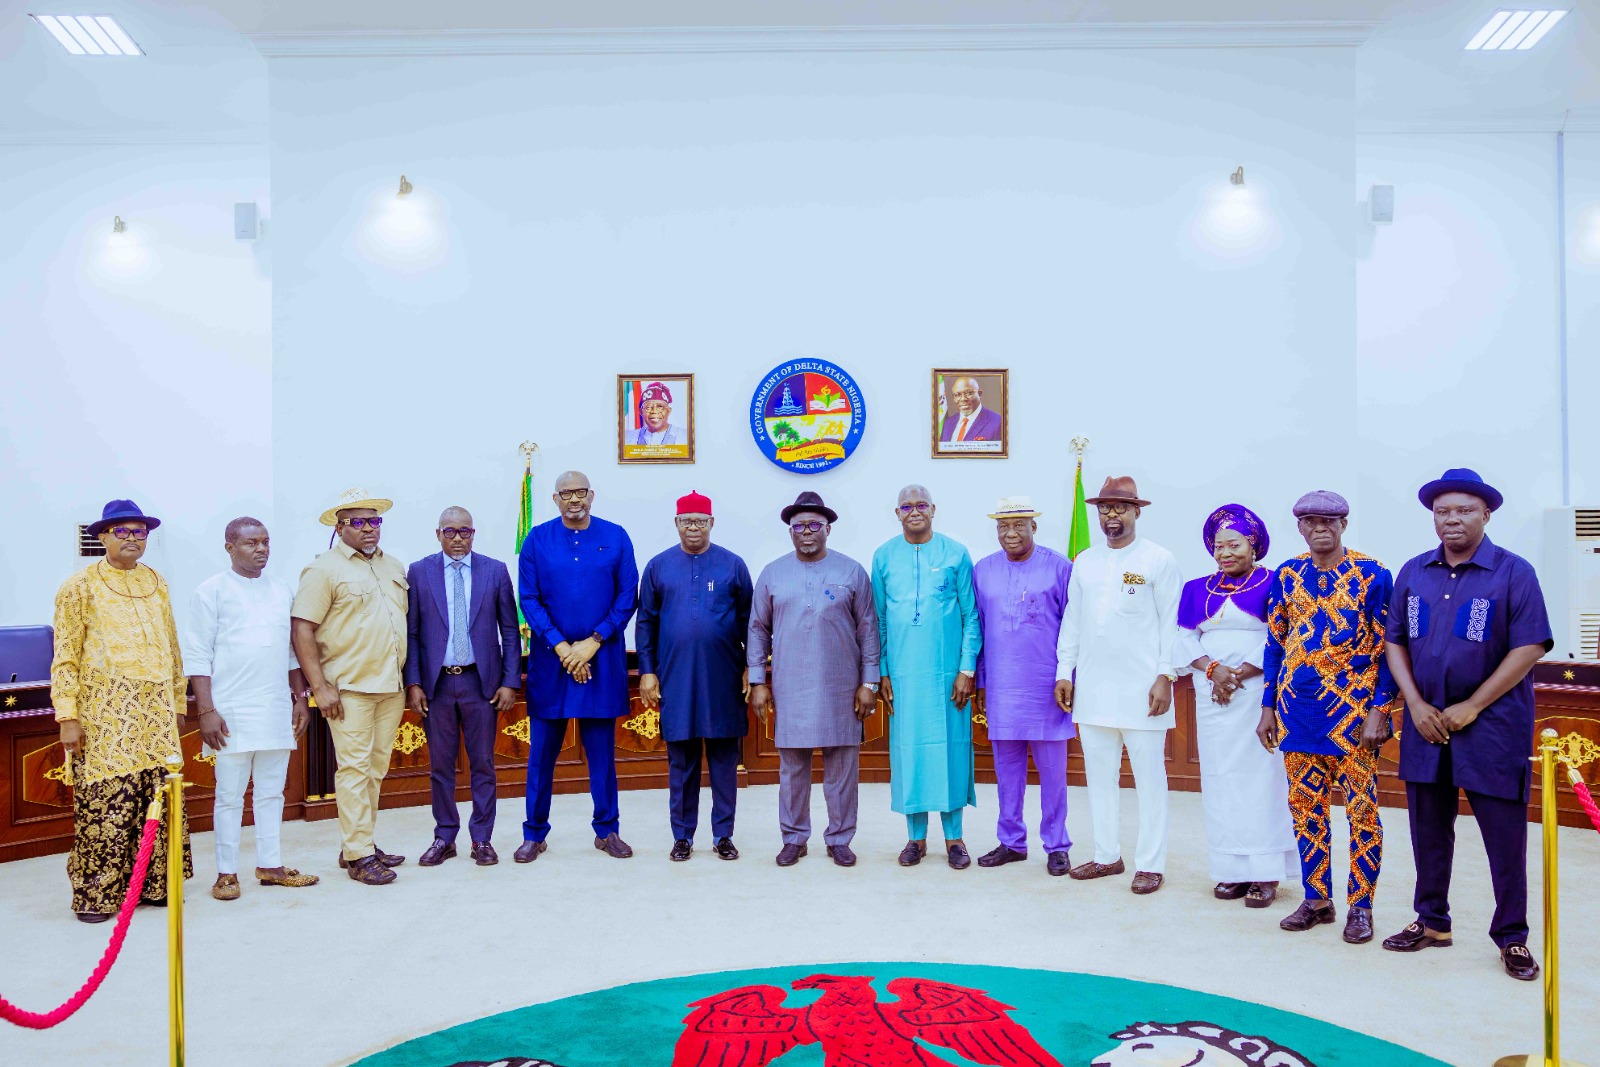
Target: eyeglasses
column 572, row 496
column 814, row 526
column 1114, row 509
column 124, row 533
column 919, row 507
column 694, row 524
column 373, row 522
column 457, row 531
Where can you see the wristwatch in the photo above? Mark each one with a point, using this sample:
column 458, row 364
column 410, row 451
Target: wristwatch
column 871, row 685
column 1169, row 676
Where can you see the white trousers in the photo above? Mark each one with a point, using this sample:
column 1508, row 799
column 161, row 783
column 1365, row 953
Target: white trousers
column 1102, row 765
column 270, row 769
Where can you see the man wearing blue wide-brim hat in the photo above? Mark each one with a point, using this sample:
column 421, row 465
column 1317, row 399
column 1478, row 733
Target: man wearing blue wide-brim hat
column 1467, row 623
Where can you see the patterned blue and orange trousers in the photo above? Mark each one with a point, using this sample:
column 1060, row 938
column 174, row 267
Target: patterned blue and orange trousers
column 1311, row 779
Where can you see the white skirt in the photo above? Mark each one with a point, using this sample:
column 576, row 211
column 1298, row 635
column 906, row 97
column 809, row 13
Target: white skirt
column 1243, row 790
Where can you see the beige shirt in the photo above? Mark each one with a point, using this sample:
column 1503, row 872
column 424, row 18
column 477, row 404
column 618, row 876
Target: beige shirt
column 359, row 607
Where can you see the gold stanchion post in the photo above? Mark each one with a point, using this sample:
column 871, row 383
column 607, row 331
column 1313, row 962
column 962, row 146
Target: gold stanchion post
column 176, row 818
column 1549, row 746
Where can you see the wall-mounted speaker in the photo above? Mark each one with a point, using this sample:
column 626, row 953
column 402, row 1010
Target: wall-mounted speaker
column 246, row 222
column 1381, row 203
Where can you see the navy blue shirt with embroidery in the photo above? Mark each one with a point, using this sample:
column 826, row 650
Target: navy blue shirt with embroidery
column 1459, row 623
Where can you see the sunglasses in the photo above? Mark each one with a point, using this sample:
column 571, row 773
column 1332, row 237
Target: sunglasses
column 457, row 531
column 373, row 522
column 919, row 507
column 814, row 526
column 569, row 496
column 124, row 533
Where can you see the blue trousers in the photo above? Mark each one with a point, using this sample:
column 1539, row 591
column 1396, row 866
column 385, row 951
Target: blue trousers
column 459, row 711
column 599, row 750
column 683, row 759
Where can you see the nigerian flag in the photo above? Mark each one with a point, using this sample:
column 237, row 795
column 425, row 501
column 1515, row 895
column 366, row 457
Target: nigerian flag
column 524, row 525
column 1078, row 539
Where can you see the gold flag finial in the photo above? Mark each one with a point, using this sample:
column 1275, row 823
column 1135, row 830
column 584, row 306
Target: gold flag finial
column 1079, row 445
column 528, row 450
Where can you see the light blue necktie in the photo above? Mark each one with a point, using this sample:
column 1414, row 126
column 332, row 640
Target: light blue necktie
column 460, row 646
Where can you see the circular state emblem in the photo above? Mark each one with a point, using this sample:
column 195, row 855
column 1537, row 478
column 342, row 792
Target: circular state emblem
column 807, row 416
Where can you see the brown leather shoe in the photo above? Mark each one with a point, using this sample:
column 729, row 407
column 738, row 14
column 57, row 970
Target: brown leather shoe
column 1147, row 882
column 437, row 853
column 289, row 877
column 841, row 855
column 1358, row 926
column 613, row 846
column 529, row 851
column 956, row 854
column 1261, row 894
column 388, row 859
column 484, row 855
column 1415, row 938
column 1306, row 916
column 226, row 887
column 1084, row 871
column 370, row 870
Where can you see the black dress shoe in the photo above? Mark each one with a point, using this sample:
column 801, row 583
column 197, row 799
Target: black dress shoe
column 388, row 859
column 92, row 916
column 682, row 849
column 1306, row 916
column 725, row 849
column 841, row 855
column 1519, row 962
column 613, row 846
column 1230, row 890
column 1000, row 855
column 529, row 851
column 1415, row 938
column 1057, row 864
column 1358, row 926
column 484, row 855
column 956, row 854
column 437, row 853
column 789, row 855
column 370, row 870
column 912, row 854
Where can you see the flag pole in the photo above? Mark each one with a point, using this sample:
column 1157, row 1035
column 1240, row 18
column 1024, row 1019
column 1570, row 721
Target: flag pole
column 1078, row 532
column 525, row 523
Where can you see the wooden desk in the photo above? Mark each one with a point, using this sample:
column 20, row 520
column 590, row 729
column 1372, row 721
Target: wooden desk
column 36, row 807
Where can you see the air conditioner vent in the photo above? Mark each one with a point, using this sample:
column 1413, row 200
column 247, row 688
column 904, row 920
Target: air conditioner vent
column 1589, row 637
column 1586, row 524
column 89, row 545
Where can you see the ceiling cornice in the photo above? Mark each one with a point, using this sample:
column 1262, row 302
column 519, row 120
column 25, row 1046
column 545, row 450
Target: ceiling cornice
column 1576, row 122
column 151, row 138
column 740, row 39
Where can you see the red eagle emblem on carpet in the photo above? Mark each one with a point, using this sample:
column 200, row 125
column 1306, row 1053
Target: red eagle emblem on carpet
column 750, row 1027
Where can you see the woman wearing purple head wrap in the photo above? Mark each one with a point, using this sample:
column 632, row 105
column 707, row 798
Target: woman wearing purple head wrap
column 1222, row 633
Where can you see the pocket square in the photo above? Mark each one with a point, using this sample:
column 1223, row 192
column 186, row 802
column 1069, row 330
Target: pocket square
column 1129, row 578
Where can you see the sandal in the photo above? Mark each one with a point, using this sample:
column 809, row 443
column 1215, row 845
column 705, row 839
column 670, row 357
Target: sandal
column 226, row 887
column 290, row 877
column 1261, row 894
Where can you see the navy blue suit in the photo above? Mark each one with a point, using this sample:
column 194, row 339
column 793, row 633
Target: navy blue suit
column 459, row 699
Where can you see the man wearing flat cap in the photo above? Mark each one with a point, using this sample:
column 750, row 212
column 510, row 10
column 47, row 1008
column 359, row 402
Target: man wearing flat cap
column 1114, row 675
column 349, row 633
column 812, row 612
column 694, row 614
column 1469, row 624
column 118, row 687
column 1326, row 704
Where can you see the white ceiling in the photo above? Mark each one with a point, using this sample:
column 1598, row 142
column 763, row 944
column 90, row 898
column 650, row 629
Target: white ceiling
column 204, row 79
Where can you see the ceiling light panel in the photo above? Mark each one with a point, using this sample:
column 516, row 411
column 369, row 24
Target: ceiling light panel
column 1514, row 30
column 89, row 35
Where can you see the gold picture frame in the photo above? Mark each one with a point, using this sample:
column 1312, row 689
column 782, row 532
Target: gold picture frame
column 674, row 441
column 984, row 432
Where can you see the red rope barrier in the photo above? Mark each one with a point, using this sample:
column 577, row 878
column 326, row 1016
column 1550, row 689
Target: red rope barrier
column 13, row 1014
column 1581, row 788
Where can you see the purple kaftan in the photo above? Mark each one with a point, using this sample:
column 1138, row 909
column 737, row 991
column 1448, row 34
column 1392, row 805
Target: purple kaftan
column 1020, row 606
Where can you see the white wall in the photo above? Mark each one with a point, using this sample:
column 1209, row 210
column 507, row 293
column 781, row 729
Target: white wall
column 1583, row 312
column 1063, row 214
column 1459, row 333
column 135, row 365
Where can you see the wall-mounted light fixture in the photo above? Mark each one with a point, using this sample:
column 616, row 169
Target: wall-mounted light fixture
column 117, row 225
column 89, row 35
column 405, row 187
column 1514, row 31
column 1237, row 177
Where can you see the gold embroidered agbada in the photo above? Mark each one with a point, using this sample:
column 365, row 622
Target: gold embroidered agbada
column 118, row 672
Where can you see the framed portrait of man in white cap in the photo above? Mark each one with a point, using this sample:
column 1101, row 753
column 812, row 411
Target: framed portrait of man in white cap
column 655, row 418
column 969, row 416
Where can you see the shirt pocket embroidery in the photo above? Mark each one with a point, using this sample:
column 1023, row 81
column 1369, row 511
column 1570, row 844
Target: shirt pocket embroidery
column 1416, row 617
column 1473, row 619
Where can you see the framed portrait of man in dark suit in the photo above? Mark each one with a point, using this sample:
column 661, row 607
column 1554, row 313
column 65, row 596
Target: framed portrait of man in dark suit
column 969, row 416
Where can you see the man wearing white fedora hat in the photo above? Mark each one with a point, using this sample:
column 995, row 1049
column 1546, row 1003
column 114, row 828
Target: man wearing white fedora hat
column 349, row 634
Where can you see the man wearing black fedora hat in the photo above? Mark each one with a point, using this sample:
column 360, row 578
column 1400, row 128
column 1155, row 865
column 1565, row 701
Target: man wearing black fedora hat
column 812, row 611
column 1467, row 624
column 118, row 687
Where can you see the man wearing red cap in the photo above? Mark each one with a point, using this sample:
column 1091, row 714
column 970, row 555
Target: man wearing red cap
column 694, row 610
column 655, row 409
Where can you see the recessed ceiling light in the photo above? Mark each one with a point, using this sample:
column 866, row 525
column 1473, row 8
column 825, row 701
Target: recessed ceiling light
column 89, row 35
column 1514, row 31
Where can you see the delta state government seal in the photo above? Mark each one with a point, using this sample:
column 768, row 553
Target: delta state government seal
column 807, row 416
